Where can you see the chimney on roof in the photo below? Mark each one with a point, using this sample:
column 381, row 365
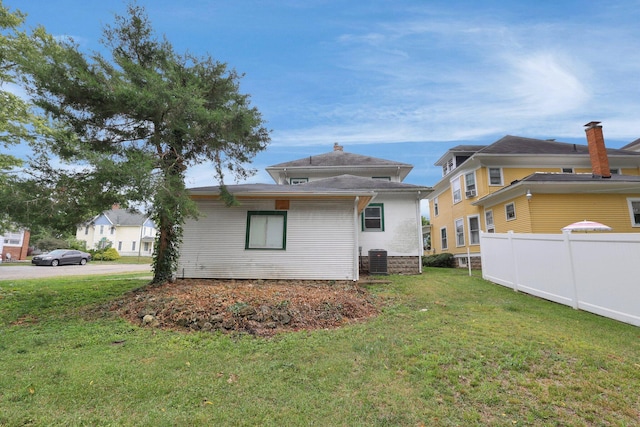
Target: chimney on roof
column 337, row 147
column 597, row 150
column 115, row 206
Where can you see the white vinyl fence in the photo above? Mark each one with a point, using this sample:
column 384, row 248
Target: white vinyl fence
column 595, row 272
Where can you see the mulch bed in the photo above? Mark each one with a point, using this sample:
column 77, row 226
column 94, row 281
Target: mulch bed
column 257, row 307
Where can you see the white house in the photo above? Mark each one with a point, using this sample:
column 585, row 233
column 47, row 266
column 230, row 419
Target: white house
column 130, row 233
column 326, row 218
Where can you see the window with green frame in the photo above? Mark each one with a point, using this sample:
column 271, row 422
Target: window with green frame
column 373, row 217
column 266, row 230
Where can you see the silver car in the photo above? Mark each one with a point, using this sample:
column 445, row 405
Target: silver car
column 61, row 257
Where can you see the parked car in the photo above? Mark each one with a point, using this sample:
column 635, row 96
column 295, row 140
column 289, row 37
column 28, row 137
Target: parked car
column 61, row 257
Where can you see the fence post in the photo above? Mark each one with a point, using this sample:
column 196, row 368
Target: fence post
column 572, row 271
column 516, row 279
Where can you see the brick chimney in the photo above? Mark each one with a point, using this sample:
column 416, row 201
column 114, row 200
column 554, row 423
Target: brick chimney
column 597, row 150
column 115, row 206
column 337, row 147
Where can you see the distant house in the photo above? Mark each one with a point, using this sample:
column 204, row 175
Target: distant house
column 531, row 186
column 130, row 233
column 14, row 245
column 326, row 217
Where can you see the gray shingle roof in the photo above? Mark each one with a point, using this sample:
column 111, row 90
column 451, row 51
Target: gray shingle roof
column 352, row 182
column 578, row 178
column 125, row 218
column 520, row 145
column 338, row 184
column 339, row 158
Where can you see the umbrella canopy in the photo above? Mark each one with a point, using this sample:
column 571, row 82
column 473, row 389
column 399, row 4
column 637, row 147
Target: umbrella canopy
column 586, row 226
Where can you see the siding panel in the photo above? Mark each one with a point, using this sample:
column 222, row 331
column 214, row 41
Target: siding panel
column 320, row 243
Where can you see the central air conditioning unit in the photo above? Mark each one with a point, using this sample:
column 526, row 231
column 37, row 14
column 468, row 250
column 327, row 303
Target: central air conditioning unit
column 378, row 262
column 471, row 193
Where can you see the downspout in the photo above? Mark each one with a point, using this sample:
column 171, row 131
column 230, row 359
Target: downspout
column 356, row 250
column 420, row 242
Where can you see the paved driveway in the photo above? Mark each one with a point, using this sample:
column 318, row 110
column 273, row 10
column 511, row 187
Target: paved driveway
column 28, row 271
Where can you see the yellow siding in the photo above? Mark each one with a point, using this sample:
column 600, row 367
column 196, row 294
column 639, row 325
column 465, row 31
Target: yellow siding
column 522, row 222
column 449, row 212
column 551, row 212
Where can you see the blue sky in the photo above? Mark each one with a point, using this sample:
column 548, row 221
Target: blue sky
column 401, row 79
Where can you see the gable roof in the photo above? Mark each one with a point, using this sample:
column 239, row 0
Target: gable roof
column 124, row 218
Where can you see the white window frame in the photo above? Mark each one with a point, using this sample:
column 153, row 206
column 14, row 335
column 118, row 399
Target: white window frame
column 489, row 177
column 456, row 191
column 274, row 228
column 474, row 232
column 436, row 209
column 470, row 186
column 491, row 226
column 444, row 243
column 459, row 227
column 506, row 211
column 632, row 214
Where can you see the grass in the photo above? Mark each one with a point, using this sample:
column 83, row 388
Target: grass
column 121, row 260
column 448, row 349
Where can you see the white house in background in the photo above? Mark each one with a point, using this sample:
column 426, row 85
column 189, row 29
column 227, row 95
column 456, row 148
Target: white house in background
column 325, row 218
column 130, row 233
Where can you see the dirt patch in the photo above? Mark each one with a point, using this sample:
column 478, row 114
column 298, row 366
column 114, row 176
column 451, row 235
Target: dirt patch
column 258, row 307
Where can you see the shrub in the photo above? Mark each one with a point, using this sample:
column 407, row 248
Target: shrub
column 108, row 254
column 445, row 260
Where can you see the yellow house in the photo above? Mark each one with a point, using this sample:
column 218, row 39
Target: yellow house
column 529, row 185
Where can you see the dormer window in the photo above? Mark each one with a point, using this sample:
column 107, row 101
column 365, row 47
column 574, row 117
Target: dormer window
column 296, row 181
column 447, row 167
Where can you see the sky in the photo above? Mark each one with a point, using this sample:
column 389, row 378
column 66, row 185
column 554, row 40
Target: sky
column 402, row 80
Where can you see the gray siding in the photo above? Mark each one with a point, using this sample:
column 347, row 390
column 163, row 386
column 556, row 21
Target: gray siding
column 320, row 243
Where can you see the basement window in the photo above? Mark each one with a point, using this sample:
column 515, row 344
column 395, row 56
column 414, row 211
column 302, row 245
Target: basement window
column 266, row 230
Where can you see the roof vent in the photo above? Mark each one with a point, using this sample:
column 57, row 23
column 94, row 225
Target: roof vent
column 337, row 147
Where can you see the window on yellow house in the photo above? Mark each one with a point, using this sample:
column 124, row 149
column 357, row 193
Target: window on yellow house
column 443, row 239
column 488, row 219
column 495, row 176
column 474, row 230
column 510, row 211
column 470, row 184
column 459, row 232
column 455, row 188
column 634, row 211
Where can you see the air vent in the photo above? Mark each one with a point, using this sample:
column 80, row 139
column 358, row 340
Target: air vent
column 471, row 193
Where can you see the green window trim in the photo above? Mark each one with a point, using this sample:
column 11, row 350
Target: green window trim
column 280, row 229
column 370, row 219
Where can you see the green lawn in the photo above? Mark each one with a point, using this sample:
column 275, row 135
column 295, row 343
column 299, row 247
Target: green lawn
column 448, row 349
